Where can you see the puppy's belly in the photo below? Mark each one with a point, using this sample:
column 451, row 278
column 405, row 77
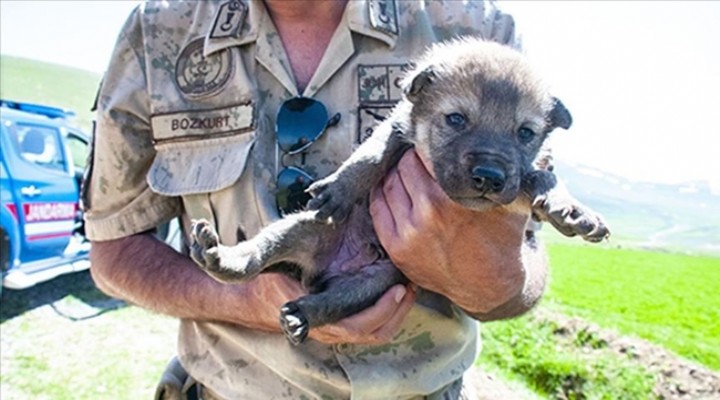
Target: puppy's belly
column 357, row 247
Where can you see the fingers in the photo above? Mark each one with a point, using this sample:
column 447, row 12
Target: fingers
column 382, row 216
column 408, row 191
column 385, row 309
column 388, row 330
column 420, row 182
column 392, row 202
column 374, row 325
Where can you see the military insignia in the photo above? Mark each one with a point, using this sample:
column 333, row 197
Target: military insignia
column 229, row 20
column 197, row 75
column 383, row 15
column 369, row 117
column 378, row 92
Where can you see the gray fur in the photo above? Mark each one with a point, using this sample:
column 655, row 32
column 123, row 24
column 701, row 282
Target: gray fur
column 483, row 159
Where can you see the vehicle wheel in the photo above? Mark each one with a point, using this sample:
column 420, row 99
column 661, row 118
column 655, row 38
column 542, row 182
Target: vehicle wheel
column 4, row 255
column 4, row 251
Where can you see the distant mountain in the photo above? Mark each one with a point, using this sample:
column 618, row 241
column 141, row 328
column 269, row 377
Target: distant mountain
column 683, row 217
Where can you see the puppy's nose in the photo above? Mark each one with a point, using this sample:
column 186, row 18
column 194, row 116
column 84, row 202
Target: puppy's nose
column 488, row 178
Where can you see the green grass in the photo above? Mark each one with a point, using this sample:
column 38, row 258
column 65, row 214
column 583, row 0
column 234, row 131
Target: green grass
column 118, row 355
column 669, row 299
column 50, row 84
column 531, row 350
column 63, row 339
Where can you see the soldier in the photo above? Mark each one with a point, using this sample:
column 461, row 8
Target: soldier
column 212, row 110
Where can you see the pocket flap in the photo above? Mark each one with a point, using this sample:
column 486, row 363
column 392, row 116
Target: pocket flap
column 199, row 166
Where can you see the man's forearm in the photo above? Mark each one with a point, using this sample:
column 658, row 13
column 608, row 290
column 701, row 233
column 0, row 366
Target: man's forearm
column 535, row 267
column 144, row 271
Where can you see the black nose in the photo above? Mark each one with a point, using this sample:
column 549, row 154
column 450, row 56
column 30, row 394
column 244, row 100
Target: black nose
column 488, row 178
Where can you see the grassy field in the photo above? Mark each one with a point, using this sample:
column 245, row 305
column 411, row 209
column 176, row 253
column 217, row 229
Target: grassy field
column 669, row 299
column 64, row 339
column 531, row 351
column 51, row 84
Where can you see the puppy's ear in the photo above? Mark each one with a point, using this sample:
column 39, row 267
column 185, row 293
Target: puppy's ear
column 421, row 80
column 559, row 116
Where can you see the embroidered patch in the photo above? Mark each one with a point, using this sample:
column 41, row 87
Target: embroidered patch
column 383, row 15
column 378, row 92
column 380, row 83
column 229, row 20
column 202, row 123
column 197, row 75
column 369, row 117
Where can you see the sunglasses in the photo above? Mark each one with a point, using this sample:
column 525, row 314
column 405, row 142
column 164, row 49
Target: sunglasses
column 300, row 122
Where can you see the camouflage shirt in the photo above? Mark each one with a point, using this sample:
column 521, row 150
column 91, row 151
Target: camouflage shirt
column 185, row 127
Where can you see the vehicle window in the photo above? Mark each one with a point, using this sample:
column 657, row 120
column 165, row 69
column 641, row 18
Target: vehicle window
column 78, row 151
column 40, row 145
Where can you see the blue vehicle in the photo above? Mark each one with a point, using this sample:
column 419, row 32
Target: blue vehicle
column 42, row 158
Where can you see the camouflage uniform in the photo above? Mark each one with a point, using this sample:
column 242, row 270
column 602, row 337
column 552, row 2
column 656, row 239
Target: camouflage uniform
column 186, row 128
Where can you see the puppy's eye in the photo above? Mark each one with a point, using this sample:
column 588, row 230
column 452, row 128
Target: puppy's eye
column 455, row 120
column 525, row 135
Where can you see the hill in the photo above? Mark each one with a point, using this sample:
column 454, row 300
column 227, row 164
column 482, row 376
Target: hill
column 52, row 84
column 683, row 217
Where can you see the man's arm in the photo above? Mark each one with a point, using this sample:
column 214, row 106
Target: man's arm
column 535, row 264
column 481, row 261
column 145, row 271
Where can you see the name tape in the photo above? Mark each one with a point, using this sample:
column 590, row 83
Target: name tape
column 204, row 122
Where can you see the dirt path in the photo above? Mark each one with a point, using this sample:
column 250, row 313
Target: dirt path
column 676, row 378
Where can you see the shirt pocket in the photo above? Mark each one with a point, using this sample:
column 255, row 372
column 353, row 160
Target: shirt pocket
column 200, row 151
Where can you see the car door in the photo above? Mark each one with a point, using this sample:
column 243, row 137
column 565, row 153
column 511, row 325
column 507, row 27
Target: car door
column 45, row 191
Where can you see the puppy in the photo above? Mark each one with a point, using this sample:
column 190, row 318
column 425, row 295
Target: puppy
column 478, row 114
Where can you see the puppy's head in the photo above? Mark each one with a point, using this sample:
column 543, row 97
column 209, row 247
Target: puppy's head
column 479, row 114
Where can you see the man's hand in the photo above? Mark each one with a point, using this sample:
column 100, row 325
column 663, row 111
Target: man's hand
column 473, row 258
column 374, row 325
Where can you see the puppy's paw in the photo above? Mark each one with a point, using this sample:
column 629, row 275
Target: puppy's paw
column 331, row 199
column 571, row 218
column 293, row 323
column 204, row 246
column 225, row 264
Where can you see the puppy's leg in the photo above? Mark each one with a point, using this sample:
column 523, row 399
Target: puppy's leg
column 293, row 239
column 335, row 195
column 340, row 297
column 552, row 202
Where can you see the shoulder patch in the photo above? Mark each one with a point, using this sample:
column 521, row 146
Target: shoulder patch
column 380, row 83
column 229, row 20
column 197, row 75
column 383, row 15
column 378, row 92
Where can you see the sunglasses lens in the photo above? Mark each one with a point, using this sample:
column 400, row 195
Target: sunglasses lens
column 291, row 196
column 300, row 121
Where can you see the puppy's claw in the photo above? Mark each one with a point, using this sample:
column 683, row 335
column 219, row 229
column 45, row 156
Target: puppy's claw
column 581, row 222
column 598, row 234
column 293, row 323
column 328, row 209
column 570, row 219
column 204, row 233
column 203, row 249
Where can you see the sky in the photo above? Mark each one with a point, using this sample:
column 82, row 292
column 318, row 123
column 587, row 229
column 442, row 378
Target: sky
column 642, row 79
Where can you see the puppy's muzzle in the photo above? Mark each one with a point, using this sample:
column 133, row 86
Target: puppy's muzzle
column 488, row 179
